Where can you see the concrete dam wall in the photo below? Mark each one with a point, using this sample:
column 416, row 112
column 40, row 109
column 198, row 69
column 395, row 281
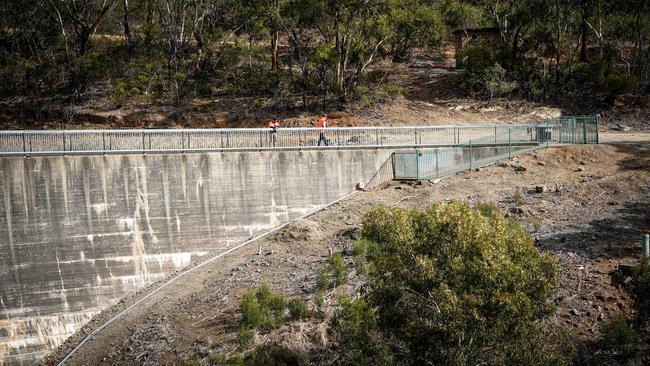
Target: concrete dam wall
column 79, row 233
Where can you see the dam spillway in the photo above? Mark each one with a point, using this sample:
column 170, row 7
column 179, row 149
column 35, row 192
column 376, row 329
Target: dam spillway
column 80, row 232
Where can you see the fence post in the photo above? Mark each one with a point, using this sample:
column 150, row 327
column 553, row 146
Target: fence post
column 509, row 142
column 63, row 141
column 142, row 134
column 437, row 166
column 495, row 134
column 573, row 123
column 24, row 142
column 646, row 245
column 470, row 154
column 103, row 141
column 417, row 164
column 598, row 128
column 392, row 160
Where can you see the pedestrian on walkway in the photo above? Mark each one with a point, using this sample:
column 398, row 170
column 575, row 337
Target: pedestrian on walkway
column 322, row 125
column 274, row 124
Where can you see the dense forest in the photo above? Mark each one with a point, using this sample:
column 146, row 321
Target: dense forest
column 311, row 53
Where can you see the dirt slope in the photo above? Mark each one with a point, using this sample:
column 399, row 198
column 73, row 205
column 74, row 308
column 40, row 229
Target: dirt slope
column 594, row 205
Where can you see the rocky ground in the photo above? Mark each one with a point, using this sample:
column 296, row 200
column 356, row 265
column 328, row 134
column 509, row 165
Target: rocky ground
column 587, row 204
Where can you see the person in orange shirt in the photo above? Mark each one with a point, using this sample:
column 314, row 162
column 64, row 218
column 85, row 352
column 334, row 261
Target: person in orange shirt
column 322, row 125
column 274, row 124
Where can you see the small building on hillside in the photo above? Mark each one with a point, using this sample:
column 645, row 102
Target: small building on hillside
column 488, row 38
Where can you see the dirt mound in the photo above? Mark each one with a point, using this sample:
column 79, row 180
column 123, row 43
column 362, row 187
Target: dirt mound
column 302, row 230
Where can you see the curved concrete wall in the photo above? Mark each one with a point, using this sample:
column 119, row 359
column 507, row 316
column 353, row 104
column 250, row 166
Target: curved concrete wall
column 79, row 233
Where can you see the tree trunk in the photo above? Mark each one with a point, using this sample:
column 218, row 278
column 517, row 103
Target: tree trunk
column 515, row 49
column 275, row 39
column 583, row 41
column 125, row 23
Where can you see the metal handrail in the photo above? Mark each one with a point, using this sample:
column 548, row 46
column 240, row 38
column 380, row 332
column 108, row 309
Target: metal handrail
column 83, row 142
column 178, row 130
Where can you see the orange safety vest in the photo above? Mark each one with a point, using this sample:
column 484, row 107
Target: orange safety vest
column 322, row 124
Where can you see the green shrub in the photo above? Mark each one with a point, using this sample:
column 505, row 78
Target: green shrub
column 360, row 250
column 337, row 267
column 268, row 355
column 485, row 77
column 359, row 340
column 389, row 92
column 641, row 290
column 335, row 273
column 616, row 84
column 319, row 298
column 476, row 58
column 323, row 280
column 191, row 362
column 246, row 337
column 451, row 285
column 618, row 331
column 262, row 308
column 298, row 309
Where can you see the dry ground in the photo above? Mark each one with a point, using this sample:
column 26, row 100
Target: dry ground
column 594, row 206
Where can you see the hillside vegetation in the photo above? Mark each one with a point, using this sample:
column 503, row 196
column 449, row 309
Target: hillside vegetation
column 305, row 55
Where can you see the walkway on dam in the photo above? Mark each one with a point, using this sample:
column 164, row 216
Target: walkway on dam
column 78, row 142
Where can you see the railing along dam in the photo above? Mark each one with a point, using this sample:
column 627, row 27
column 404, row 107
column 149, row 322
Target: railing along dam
column 82, row 228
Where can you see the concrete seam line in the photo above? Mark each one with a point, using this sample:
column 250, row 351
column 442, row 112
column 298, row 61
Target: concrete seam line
column 200, row 265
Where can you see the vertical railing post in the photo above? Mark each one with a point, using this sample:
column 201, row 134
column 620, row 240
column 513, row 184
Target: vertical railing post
column 495, row 134
column 470, row 154
column 584, row 131
column 103, row 141
column 24, row 142
column 63, row 142
column 415, row 135
column 573, row 124
column 417, row 164
column 546, row 134
column 437, row 166
column 377, row 136
column 646, row 245
column 142, row 135
column 509, row 142
column 598, row 128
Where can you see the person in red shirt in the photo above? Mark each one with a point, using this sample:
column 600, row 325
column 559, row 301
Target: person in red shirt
column 322, row 125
